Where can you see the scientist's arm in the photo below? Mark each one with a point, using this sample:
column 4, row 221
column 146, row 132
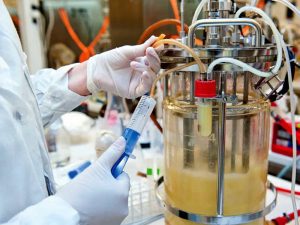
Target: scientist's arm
column 94, row 197
column 127, row 71
column 53, row 94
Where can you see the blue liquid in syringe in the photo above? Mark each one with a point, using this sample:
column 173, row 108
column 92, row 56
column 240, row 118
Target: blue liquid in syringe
column 133, row 131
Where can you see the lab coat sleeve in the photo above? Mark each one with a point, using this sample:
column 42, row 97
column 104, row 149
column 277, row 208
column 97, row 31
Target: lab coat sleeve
column 53, row 95
column 52, row 210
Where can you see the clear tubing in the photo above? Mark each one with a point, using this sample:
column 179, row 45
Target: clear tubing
column 159, row 24
column 202, row 68
column 274, row 30
column 239, row 63
column 293, row 108
column 253, row 2
column 166, row 73
column 286, row 168
column 198, row 10
column 289, row 5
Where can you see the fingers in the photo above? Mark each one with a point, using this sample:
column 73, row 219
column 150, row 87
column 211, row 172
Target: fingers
column 159, row 48
column 113, row 153
column 150, row 41
column 153, row 59
column 132, row 52
column 138, row 66
column 146, row 83
column 124, row 178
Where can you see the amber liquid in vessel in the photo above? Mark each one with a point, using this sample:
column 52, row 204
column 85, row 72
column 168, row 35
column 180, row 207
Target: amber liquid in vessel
column 191, row 167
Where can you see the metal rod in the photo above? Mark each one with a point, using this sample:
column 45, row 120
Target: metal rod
column 166, row 86
column 246, row 127
column 234, row 127
column 182, row 33
column 221, row 143
column 192, row 88
column 183, row 83
column 221, row 158
column 246, row 88
column 233, row 144
column 225, row 22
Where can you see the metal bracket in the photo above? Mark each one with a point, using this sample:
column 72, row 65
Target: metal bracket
column 264, row 83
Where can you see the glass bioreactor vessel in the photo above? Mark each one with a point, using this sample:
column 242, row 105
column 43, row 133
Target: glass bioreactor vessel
column 217, row 121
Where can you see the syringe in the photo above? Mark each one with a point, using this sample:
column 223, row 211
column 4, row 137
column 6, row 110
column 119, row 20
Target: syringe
column 133, row 131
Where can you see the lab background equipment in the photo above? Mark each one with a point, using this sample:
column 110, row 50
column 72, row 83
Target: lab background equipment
column 128, row 24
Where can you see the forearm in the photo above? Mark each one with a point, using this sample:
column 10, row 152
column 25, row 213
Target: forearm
column 53, row 93
column 52, row 210
column 77, row 79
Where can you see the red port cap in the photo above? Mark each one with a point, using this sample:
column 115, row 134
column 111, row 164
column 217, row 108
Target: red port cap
column 205, row 88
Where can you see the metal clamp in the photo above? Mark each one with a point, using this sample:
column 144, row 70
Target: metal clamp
column 273, row 95
column 219, row 220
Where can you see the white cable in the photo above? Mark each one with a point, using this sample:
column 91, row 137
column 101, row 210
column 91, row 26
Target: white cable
column 290, row 6
column 276, row 33
column 239, row 63
column 198, row 10
column 253, row 2
column 292, row 101
column 293, row 108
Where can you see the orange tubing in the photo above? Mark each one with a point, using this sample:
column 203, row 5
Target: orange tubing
column 87, row 51
column 65, row 19
column 157, row 25
column 174, row 6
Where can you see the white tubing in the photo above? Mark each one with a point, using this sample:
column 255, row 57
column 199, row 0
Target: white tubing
column 289, row 5
column 239, row 63
column 276, row 33
column 293, row 108
column 198, row 10
column 253, row 2
column 292, row 101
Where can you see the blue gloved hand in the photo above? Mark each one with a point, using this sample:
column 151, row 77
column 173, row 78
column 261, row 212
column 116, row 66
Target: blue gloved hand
column 97, row 196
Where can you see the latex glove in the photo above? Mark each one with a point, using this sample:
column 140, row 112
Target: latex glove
column 98, row 197
column 128, row 71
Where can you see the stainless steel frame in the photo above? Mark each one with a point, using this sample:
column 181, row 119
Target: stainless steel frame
column 225, row 22
column 218, row 220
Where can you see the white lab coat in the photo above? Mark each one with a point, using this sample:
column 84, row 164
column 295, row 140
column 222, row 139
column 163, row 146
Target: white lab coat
column 26, row 105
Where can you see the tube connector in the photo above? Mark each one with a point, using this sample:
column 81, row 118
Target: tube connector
column 205, row 91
